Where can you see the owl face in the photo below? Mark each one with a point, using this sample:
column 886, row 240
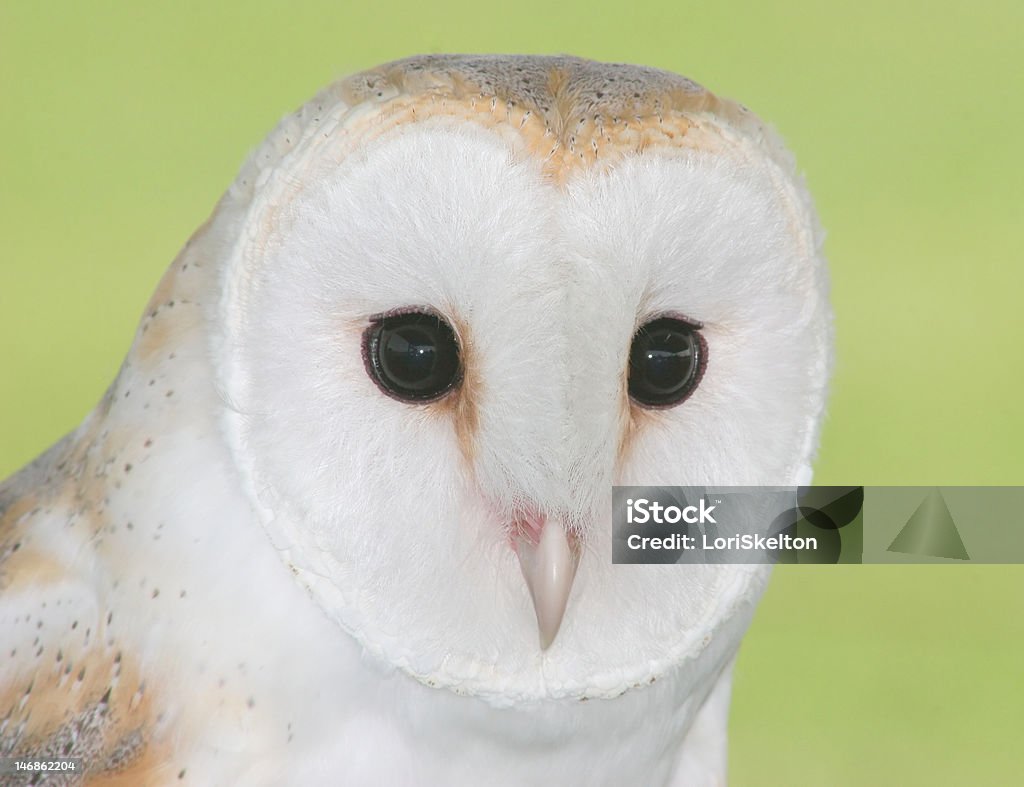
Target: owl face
column 449, row 332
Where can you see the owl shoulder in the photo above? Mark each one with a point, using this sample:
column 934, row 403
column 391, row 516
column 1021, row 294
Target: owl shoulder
column 66, row 687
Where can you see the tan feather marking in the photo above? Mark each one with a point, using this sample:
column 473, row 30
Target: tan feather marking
column 23, row 563
column 168, row 287
column 157, row 333
column 566, row 124
column 561, row 115
column 173, row 310
column 462, row 405
column 13, row 516
column 27, row 567
column 592, row 143
column 90, row 703
column 579, row 112
column 633, row 421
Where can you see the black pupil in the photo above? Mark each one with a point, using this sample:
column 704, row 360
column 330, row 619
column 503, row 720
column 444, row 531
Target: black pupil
column 414, row 356
column 664, row 362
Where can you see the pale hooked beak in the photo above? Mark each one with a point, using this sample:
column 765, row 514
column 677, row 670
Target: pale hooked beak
column 548, row 562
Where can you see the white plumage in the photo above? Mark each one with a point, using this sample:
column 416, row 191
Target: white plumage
column 254, row 563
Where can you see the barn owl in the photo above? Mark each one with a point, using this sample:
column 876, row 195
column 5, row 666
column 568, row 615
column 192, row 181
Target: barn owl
column 344, row 515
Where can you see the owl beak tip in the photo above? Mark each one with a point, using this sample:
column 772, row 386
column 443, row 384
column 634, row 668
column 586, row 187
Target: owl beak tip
column 549, row 567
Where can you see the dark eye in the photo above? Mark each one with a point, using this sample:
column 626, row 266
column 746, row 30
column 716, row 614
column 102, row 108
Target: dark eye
column 666, row 362
column 412, row 356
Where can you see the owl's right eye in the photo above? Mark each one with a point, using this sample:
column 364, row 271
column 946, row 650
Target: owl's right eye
column 413, row 356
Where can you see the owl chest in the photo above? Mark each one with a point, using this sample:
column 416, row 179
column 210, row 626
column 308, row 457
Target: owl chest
column 386, row 728
column 378, row 747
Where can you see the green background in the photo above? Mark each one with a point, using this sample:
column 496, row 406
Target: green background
column 123, row 122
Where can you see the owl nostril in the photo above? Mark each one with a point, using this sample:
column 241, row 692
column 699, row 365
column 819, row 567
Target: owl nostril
column 526, row 526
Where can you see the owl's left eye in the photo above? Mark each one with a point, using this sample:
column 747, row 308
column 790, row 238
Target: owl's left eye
column 412, row 356
column 666, row 362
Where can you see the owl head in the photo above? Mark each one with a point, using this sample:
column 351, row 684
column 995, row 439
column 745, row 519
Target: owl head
column 460, row 298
